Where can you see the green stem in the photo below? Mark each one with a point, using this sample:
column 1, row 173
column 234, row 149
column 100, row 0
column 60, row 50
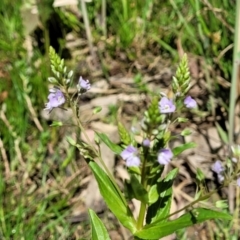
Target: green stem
column 92, row 147
column 234, row 79
column 104, row 25
column 141, row 216
column 233, row 92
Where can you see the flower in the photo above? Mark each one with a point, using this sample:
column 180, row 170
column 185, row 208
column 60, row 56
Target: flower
column 217, row 167
column 166, row 106
column 55, row 99
column 190, row 102
column 84, row 84
column 146, row 142
column 130, row 156
column 220, row 177
column 164, row 156
column 238, row 182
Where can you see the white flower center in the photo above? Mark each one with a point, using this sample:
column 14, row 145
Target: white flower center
column 167, row 106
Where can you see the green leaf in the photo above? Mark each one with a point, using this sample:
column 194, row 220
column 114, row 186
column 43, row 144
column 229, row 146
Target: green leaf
column 161, row 229
column 114, row 147
column 161, row 207
column 124, row 134
column 200, row 176
column 222, row 133
column 153, row 194
column 97, row 110
column 114, row 200
column 177, row 150
column 56, row 124
column 186, row 132
column 71, row 141
column 99, row 231
column 136, row 190
column 182, row 120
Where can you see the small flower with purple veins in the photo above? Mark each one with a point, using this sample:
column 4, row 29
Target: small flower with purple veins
column 84, row 84
column 55, row 99
column 130, row 156
column 166, row 105
column 190, row 102
column 164, row 156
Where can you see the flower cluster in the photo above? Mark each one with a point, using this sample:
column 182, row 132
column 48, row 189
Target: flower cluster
column 219, row 169
column 56, row 97
column 130, row 155
column 167, row 106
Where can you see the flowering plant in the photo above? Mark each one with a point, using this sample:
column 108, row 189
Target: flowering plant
column 145, row 162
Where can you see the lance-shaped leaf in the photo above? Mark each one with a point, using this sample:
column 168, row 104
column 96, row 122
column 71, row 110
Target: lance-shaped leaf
column 114, row 147
column 113, row 198
column 177, row 150
column 136, row 190
column 99, row 232
column 161, row 229
column 161, row 197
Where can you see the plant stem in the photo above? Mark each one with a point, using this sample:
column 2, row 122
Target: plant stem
column 88, row 30
column 233, row 91
column 104, row 27
column 92, row 147
column 141, row 216
column 234, row 79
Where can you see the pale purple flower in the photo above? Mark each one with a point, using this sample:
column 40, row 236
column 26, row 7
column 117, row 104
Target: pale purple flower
column 217, row 167
column 130, row 156
column 55, row 99
column 166, row 105
column 164, row 156
column 220, row 177
column 190, row 102
column 146, row 142
column 238, row 182
column 84, row 84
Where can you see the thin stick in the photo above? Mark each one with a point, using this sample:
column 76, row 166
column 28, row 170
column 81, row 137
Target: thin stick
column 103, row 23
column 233, row 93
column 88, row 30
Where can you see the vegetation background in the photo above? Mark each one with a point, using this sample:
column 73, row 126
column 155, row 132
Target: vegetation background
column 123, row 47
